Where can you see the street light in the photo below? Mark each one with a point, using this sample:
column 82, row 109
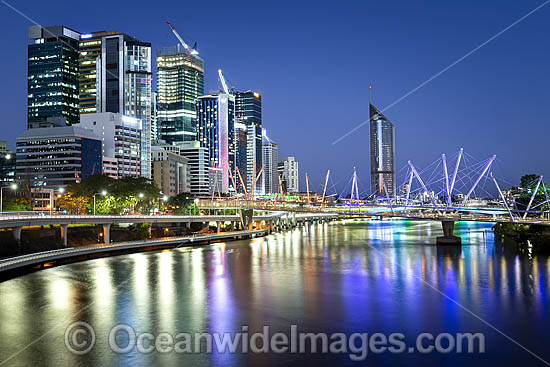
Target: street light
column 13, row 187
column 141, row 195
column 104, row 193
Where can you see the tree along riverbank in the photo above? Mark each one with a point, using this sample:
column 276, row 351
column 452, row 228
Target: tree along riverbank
column 525, row 235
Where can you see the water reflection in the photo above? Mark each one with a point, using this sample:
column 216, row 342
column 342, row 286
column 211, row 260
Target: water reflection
column 338, row 277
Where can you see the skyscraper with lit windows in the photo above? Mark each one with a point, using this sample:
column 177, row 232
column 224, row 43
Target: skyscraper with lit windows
column 248, row 108
column 382, row 154
column 216, row 132
column 180, row 81
column 52, row 81
column 116, row 77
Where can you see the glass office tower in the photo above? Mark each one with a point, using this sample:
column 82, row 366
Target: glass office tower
column 116, row 77
column 216, row 131
column 52, row 81
column 382, row 154
column 248, row 108
column 180, row 81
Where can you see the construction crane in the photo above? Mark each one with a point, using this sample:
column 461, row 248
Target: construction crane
column 188, row 49
column 222, row 80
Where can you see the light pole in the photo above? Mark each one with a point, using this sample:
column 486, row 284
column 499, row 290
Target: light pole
column 13, row 187
column 104, row 193
column 164, row 199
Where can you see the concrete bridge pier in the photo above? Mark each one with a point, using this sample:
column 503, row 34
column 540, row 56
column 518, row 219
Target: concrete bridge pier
column 107, row 233
column 246, row 218
column 64, row 229
column 448, row 237
column 16, row 231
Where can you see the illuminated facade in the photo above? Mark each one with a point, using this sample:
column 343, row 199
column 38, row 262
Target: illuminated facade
column 289, row 170
column 248, row 105
column 198, row 160
column 254, row 155
column 241, row 136
column 180, row 81
column 170, row 170
column 52, row 81
column 216, row 132
column 382, row 154
column 121, row 139
column 116, row 77
column 248, row 108
column 89, row 64
column 7, row 165
column 57, row 156
column 271, row 160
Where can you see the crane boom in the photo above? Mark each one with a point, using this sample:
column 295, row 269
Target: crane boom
column 222, row 80
column 185, row 45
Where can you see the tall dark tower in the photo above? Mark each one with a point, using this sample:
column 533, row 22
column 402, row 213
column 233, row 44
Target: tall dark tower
column 382, row 154
column 52, row 83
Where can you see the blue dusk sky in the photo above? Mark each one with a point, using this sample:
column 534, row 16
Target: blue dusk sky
column 313, row 61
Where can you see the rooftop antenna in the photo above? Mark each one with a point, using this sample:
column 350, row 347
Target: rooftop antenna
column 370, row 94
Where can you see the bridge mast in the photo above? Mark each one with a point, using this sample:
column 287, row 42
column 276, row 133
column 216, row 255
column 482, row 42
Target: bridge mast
column 450, row 195
column 424, row 186
column 487, row 166
column 325, row 189
column 242, row 183
column 502, row 196
column 307, row 188
column 444, row 159
column 532, row 198
column 409, row 189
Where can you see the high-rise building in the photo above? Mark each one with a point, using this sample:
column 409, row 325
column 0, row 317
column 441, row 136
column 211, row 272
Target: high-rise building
column 57, row 156
column 180, row 81
column 155, row 129
column 216, row 131
column 7, row 165
column 52, row 80
column 271, row 161
column 290, row 174
column 382, row 154
column 121, row 139
column 248, row 106
column 198, row 161
column 90, row 70
column 241, row 133
column 170, row 170
column 254, row 162
column 116, row 77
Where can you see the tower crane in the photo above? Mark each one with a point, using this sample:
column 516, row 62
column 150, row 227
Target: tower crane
column 188, row 49
column 222, row 80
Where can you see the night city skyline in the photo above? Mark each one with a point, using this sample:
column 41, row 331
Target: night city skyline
column 286, row 183
column 313, row 66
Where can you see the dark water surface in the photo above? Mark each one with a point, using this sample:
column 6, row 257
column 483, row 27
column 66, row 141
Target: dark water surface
column 349, row 277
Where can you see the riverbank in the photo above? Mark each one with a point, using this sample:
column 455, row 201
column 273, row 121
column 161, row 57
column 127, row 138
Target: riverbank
column 46, row 238
column 532, row 236
column 19, row 265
